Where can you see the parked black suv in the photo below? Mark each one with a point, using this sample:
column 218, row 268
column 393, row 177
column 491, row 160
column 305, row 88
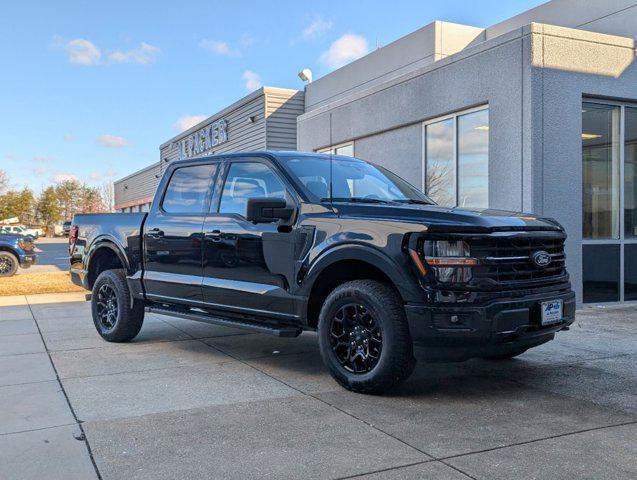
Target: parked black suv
column 282, row 242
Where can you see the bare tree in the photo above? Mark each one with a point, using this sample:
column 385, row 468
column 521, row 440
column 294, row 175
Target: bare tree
column 4, row 181
column 107, row 192
column 439, row 183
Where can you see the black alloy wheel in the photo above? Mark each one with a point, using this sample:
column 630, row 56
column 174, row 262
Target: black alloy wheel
column 364, row 336
column 8, row 264
column 117, row 317
column 355, row 338
column 107, row 307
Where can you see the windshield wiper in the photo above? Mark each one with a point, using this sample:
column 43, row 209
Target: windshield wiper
column 354, row 200
column 414, row 201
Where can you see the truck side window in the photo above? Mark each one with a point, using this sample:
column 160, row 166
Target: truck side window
column 187, row 190
column 249, row 180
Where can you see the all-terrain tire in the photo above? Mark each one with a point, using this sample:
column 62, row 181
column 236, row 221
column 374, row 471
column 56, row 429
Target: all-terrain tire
column 396, row 360
column 9, row 263
column 124, row 322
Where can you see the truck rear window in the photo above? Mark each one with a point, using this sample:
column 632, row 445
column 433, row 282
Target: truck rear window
column 187, row 190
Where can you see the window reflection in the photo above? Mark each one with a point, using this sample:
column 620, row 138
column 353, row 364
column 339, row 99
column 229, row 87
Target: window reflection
column 600, row 157
column 249, row 180
column 457, row 160
column 441, row 165
column 630, row 172
column 601, row 273
column 473, row 159
column 187, row 190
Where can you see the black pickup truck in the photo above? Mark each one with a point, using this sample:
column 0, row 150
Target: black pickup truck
column 282, row 242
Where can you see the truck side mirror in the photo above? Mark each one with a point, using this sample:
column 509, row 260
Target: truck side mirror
column 268, row 210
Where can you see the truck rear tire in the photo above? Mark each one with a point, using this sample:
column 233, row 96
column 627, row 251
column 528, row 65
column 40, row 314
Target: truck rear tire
column 113, row 316
column 8, row 264
column 364, row 337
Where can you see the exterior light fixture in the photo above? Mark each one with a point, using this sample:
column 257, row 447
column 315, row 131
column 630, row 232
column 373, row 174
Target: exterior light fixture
column 306, row 75
column 590, row 136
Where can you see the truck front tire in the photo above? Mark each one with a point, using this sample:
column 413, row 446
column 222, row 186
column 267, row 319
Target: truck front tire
column 113, row 316
column 8, row 264
column 364, row 337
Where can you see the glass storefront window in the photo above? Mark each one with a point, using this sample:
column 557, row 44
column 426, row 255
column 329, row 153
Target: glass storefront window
column 457, row 159
column 630, row 271
column 347, row 149
column 600, row 156
column 630, row 172
column 473, row 159
column 609, row 176
column 601, row 273
column 441, row 164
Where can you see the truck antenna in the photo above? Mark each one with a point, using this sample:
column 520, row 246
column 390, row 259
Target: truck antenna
column 331, row 163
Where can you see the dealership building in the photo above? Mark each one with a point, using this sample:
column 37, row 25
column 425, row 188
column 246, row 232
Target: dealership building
column 537, row 113
column 263, row 120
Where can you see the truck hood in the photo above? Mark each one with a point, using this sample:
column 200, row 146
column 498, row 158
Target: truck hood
column 450, row 219
column 10, row 237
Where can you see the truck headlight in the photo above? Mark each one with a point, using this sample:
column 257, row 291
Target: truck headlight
column 450, row 260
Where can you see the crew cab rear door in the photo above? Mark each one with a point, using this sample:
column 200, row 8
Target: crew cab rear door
column 173, row 234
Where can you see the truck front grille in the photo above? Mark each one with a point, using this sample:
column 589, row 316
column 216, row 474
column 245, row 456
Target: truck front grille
column 507, row 263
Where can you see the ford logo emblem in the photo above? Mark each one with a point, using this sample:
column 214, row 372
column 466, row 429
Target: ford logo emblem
column 541, row 258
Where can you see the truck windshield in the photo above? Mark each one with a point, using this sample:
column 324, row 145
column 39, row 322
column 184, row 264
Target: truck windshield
column 352, row 180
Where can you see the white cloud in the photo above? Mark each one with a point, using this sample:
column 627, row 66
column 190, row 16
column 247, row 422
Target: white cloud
column 68, row 138
column 143, row 55
column 184, row 123
column 345, row 49
column 12, row 157
column 246, row 40
column 43, row 159
column 316, row 28
column 111, row 141
column 63, row 177
column 81, row 51
column 253, row 80
column 219, row 48
column 39, row 171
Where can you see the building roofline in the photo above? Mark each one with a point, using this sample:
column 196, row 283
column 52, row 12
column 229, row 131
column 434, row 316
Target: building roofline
column 242, row 101
column 149, row 167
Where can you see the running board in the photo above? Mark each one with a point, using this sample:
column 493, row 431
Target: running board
column 285, row 331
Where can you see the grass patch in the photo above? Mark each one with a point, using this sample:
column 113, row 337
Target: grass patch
column 32, row 283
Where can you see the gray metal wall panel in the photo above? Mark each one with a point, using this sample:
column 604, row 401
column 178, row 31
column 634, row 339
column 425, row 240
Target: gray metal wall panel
column 242, row 133
column 268, row 112
column 282, row 109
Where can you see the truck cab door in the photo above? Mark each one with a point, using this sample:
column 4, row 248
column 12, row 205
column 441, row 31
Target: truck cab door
column 247, row 267
column 173, row 235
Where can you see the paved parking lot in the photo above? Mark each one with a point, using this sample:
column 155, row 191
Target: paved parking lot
column 188, row 400
column 53, row 255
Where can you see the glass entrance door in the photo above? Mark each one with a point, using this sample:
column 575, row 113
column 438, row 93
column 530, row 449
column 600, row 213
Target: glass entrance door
column 609, row 203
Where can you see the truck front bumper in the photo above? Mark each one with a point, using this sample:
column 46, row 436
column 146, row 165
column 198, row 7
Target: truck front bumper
column 28, row 259
column 458, row 332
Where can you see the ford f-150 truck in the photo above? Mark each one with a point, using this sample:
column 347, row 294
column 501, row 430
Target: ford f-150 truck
column 282, row 242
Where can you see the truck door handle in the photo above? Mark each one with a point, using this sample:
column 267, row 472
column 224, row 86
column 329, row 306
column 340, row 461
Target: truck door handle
column 155, row 233
column 215, row 235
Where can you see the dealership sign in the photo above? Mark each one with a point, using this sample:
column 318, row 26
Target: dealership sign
column 203, row 140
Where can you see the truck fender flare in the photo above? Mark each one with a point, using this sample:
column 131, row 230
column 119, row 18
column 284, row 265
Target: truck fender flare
column 6, row 248
column 361, row 253
column 107, row 241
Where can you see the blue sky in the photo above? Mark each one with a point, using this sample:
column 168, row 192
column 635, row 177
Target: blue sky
column 92, row 89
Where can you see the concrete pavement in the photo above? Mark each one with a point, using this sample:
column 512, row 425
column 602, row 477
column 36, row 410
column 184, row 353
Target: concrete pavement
column 53, row 255
column 189, row 400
